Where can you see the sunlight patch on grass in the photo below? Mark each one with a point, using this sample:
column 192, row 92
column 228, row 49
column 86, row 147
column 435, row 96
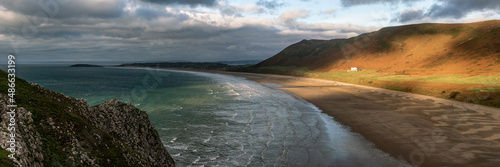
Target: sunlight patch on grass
column 485, row 89
column 492, row 80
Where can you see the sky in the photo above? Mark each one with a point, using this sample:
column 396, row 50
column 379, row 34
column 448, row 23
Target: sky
column 41, row 31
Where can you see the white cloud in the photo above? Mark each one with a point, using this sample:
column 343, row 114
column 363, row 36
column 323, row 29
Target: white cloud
column 341, row 27
column 318, row 35
column 292, row 15
column 328, row 11
column 231, row 47
column 9, row 18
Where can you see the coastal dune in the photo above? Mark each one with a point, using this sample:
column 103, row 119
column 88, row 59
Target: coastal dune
column 421, row 130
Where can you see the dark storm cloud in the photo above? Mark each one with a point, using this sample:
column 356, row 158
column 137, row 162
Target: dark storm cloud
column 409, row 15
column 253, row 42
column 349, row 3
column 460, row 8
column 76, row 32
column 147, row 13
column 273, row 4
column 192, row 32
column 68, row 9
column 101, row 30
column 185, row 2
column 229, row 10
column 456, row 9
column 154, row 13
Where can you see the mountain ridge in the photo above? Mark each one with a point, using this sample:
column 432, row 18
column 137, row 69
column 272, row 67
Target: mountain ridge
column 427, row 45
column 452, row 61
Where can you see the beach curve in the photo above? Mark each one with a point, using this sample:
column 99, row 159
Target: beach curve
column 422, row 130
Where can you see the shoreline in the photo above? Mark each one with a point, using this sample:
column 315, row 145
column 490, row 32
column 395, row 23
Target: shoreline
column 421, row 130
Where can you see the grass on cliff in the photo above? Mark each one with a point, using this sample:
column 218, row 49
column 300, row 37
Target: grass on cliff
column 5, row 161
column 478, row 89
column 47, row 105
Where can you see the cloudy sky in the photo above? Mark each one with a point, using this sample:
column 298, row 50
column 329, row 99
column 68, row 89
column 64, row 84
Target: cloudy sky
column 205, row 30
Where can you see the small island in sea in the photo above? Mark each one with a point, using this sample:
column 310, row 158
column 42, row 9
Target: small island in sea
column 85, row 65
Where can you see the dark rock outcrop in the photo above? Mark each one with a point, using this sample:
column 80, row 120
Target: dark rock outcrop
column 53, row 129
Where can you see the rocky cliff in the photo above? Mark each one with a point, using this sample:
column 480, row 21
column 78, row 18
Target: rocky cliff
column 56, row 130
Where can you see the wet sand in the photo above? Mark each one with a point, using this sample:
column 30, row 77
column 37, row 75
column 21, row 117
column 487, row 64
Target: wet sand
column 422, row 130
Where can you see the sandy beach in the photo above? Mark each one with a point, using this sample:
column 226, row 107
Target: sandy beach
column 422, row 130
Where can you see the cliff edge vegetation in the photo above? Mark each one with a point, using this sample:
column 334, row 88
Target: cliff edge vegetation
column 53, row 129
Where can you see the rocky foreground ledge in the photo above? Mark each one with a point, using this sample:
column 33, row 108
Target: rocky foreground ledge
column 53, row 129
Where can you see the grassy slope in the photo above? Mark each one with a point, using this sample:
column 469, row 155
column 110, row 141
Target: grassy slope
column 484, row 90
column 418, row 49
column 5, row 161
column 45, row 105
column 454, row 61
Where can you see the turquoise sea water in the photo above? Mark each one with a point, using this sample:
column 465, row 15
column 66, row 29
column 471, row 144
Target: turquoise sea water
column 218, row 120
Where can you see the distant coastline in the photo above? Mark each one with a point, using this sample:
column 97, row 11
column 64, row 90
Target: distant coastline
column 220, row 65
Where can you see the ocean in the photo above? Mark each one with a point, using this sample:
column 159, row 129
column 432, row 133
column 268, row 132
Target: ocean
column 207, row 119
